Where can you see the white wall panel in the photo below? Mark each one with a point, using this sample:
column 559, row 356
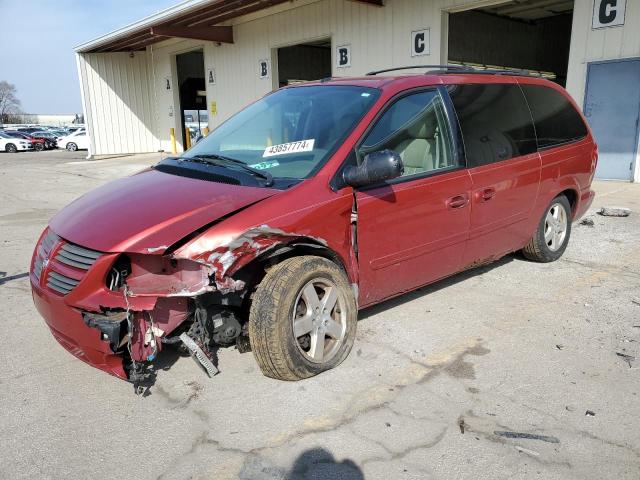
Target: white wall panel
column 118, row 107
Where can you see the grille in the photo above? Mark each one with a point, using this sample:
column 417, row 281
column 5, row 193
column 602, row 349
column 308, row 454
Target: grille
column 37, row 267
column 44, row 249
column 61, row 283
column 76, row 256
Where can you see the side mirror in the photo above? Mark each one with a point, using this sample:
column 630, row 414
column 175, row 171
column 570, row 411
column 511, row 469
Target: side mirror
column 376, row 167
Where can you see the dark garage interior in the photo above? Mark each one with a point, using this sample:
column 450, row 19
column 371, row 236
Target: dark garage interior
column 525, row 34
column 193, row 99
column 304, row 62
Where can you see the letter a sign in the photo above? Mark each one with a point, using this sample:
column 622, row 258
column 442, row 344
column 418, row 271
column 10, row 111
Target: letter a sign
column 608, row 13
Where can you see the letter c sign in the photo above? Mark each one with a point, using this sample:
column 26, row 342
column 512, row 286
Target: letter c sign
column 608, row 13
column 420, row 43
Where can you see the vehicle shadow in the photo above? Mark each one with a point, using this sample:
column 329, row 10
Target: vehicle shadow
column 319, row 463
column 434, row 287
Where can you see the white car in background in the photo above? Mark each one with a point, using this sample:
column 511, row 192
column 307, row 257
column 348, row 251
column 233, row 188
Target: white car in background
column 78, row 140
column 12, row 145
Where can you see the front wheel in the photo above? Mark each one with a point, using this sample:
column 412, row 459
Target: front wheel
column 303, row 318
column 38, row 147
column 552, row 235
column 11, row 148
column 72, row 147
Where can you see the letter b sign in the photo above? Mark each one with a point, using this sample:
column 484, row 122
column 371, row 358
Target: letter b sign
column 343, row 56
column 608, row 13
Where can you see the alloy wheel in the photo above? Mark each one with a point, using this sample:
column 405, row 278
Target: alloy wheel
column 319, row 320
column 555, row 227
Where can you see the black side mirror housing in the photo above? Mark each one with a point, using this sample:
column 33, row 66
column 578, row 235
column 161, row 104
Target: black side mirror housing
column 375, row 168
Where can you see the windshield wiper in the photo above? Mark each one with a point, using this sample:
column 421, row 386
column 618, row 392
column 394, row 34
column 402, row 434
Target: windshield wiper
column 268, row 178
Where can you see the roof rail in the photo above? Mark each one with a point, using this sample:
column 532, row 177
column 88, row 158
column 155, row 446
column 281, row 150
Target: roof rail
column 412, row 67
column 498, row 71
column 442, row 69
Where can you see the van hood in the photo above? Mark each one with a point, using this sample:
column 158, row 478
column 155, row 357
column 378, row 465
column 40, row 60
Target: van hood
column 149, row 211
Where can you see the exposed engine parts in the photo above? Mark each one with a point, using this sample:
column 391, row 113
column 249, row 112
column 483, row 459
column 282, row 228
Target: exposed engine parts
column 196, row 303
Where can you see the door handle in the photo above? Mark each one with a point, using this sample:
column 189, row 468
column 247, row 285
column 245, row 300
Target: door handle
column 486, row 194
column 457, row 201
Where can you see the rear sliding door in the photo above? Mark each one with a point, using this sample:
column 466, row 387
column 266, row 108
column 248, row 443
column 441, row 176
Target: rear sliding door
column 501, row 153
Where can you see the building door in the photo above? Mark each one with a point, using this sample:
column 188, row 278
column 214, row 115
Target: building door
column 612, row 107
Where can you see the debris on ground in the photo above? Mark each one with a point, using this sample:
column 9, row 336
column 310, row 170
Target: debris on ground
column 636, row 302
column 626, row 358
column 461, row 424
column 615, row 211
column 526, row 436
column 559, row 347
column 587, row 222
column 527, row 451
column 590, row 413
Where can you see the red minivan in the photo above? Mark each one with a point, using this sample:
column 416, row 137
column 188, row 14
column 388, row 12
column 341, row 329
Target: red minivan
column 311, row 203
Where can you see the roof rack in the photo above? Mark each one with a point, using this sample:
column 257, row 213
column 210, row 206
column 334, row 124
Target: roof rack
column 412, row 67
column 442, row 69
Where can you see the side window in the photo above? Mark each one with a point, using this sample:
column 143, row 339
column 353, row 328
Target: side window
column 556, row 120
column 495, row 121
column 415, row 127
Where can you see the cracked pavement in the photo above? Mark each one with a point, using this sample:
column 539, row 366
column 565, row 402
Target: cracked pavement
column 513, row 346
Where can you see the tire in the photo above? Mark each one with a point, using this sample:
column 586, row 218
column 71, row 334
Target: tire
column 280, row 301
column 72, row 147
column 551, row 238
column 10, row 148
column 38, row 147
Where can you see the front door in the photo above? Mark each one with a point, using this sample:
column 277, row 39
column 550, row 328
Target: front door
column 612, row 107
column 412, row 230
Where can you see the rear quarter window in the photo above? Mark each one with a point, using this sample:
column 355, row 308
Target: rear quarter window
column 495, row 121
column 556, row 120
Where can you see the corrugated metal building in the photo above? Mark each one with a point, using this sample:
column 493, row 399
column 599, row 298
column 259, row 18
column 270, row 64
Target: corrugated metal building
column 194, row 65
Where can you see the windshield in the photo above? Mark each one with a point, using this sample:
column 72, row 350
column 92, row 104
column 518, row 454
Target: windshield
column 291, row 132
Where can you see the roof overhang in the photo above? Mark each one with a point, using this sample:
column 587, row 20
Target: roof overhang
column 194, row 19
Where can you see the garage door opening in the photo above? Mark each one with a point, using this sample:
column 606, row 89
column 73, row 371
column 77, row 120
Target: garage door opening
column 532, row 35
column 304, row 62
column 193, row 96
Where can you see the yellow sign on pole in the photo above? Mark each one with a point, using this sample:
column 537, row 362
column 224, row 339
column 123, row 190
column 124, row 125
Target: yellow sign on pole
column 172, row 136
column 214, row 108
column 187, row 138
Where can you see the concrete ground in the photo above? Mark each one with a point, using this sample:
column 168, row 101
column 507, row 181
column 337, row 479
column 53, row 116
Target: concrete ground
column 434, row 378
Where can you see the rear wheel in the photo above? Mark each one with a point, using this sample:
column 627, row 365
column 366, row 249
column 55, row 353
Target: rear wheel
column 72, row 147
column 38, row 147
column 552, row 235
column 11, row 148
column 303, row 318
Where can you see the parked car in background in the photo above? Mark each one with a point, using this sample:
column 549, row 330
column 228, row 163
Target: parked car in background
column 39, row 143
column 12, row 144
column 49, row 136
column 78, row 140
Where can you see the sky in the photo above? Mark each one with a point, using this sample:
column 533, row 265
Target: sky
column 37, row 41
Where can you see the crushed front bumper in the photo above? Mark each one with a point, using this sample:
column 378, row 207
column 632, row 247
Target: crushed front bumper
column 69, row 329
